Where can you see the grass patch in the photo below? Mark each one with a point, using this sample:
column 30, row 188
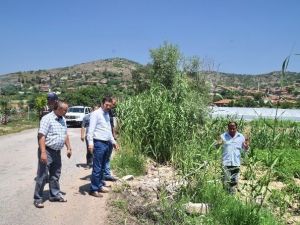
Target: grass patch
column 288, row 163
column 128, row 162
column 293, row 190
column 120, row 204
column 15, row 126
column 223, row 209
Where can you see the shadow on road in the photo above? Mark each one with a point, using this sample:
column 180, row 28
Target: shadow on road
column 84, row 189
column 83, row 165
column 87, row 177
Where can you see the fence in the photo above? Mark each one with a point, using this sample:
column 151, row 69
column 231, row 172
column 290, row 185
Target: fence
column 17, row 115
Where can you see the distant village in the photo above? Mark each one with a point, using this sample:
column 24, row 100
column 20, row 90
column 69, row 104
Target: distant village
column 231, row 96
column 225, row 89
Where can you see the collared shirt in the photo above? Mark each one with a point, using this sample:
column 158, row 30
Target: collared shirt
column 232, row 148
column 54, row 129
column 86, row 121
column 100, row 128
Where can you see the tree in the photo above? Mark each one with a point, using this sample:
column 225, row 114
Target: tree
column 192, row 67
column 141, row 78
column 39, row 103
column 4, row 104
column 258, row 96
column 165, row 64
column 89, row 96
column 9, row 90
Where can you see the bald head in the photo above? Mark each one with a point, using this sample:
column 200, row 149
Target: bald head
column 61, row 108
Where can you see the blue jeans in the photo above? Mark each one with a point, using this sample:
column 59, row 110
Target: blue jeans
column 100, row 156
column 53, row 168
column 107, row 173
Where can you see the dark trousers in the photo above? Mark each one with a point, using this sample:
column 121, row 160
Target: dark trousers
column 89, row 155
column 101, row 149
column 52, row 171
column 231, row 178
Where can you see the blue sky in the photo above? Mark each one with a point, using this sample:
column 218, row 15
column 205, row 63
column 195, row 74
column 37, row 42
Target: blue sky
column 239, row 36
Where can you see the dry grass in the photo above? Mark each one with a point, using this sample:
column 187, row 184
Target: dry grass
column 17, row 126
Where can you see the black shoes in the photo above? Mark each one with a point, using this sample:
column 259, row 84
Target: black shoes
column 38, row 204
column 104, row 190
column 111, row 178
column 57, row 199
column 95, row 194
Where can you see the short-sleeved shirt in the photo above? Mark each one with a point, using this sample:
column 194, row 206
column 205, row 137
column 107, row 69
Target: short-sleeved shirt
column 54, row 129
column 86, row 122
column 232, row 148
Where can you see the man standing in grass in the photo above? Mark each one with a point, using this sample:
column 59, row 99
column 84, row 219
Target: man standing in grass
column 234, row 143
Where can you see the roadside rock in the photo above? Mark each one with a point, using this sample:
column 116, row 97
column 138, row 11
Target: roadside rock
column 127, row 178
column 196, row 208
column 142, row 193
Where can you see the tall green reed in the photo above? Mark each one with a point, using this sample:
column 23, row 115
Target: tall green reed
column 160, row 119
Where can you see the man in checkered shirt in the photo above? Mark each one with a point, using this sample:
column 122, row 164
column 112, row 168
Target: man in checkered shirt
column 52, row 137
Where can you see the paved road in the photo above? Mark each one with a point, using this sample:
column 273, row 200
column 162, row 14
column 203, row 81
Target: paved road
column 18, row 165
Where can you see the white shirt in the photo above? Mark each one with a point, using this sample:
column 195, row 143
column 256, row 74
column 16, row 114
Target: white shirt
column 100, row 128
column 232, row 148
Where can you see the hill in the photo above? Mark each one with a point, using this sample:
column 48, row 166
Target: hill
column 267, row 80
column 121, row 75
column 114, row 72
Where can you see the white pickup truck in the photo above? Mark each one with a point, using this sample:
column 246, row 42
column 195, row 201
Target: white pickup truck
column 75, row 115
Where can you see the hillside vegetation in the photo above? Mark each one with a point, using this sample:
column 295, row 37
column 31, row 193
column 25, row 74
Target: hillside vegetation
column 121, row 77
column 118, row 73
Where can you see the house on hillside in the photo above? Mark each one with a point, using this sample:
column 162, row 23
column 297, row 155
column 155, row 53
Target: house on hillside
column 71, row 89
column 223, row 102
column 44, row 88
column 92, row 82
column 103, row 81
column 272, row 98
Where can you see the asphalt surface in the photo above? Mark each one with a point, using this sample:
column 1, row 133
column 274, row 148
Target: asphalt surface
column 18, row 166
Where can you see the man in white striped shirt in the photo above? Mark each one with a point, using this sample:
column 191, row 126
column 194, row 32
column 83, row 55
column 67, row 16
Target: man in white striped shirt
column 100, row 139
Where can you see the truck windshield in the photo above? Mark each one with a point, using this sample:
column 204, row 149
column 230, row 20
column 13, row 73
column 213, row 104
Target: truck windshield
column 76, row 110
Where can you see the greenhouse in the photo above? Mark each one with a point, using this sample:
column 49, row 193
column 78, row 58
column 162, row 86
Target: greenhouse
column 255, row 113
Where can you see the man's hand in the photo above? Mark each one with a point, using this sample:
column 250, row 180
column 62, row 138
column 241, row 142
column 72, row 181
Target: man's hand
column 219, row 142
column 116, row 146
column 83, row 134
column 69, row 153
column 91, row 148
column 44, row 157
column 246, row 144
